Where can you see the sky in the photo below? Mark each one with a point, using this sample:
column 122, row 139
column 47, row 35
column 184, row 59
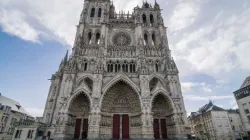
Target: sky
column 209, row 40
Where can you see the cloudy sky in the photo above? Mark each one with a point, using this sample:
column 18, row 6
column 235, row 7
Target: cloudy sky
column 209, row 39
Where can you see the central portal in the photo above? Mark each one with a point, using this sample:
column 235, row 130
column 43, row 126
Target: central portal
column 121, row 113
column 120, row 126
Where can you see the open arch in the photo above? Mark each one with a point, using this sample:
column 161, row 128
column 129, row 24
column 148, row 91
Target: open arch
column 145, row 39
column 89, row 38
column 120, row 103
column 151, row 20
column 97, row 38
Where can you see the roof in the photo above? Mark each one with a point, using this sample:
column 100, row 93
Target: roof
column 233, row 111
column 246, row 82
column 206, row 108
column 15, row 106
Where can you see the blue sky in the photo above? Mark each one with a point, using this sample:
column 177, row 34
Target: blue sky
column 209, row 39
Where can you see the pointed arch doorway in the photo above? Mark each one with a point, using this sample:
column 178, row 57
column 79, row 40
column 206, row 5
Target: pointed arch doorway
column 162, row 109
column 79, row 109
column 121, row 112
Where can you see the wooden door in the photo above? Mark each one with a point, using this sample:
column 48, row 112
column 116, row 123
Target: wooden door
column 85, row 125
column 78, row 128
column 125, row 127
column 164, row 129
column 156, row 129
column 116, row 126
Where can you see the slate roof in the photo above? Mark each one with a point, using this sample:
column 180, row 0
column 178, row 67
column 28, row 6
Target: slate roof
column 207, row 107
column 15, row 106
column 246, row 82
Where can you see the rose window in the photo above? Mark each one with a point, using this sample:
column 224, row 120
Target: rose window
column 122, row 39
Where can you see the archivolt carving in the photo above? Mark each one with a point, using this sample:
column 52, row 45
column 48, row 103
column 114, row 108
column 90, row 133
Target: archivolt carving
column 121, row 98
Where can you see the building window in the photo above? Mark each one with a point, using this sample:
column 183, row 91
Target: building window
column 153, row 40
column 248, row 118
column 145, row 39
column 89, row 37
column 98, row 37
column 92, row 14
column 151, row 20
column 157, row 67
column 17, row 133
column 245, row 108
column 144, row 18
column 100, row 12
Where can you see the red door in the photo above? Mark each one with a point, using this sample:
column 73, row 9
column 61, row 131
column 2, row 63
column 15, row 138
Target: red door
column 125, row 126
column 85, row 125
column 116, row 126
column 156, row 129
column 78, row 128
column 164, row 129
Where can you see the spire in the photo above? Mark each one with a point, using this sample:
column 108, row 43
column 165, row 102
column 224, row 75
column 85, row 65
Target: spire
column 66, row 57
column 157, row 6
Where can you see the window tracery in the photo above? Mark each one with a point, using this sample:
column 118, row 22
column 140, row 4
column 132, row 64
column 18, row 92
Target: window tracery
column 122, row 39
column 129, row 67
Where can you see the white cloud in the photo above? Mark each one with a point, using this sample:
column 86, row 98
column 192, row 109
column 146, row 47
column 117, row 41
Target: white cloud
column 184, row 15
column 233, row 104
column 218, row 48
column 206, row 98
column 35, row 112
column 189, row 86
column 13, row 22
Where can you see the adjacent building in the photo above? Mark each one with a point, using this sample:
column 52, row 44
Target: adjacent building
column 212, row 122
column 236, row 124
column 120, row 81
column 242, row 97
column 11, row 112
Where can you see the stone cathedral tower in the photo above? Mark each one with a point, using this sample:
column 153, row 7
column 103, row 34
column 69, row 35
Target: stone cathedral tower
column 120, row 80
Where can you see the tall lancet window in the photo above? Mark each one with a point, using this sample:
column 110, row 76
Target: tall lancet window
column 157, row 66
column 144, row 18
column 145, row 39
column 100, row 12
column 92, row 13
column 153, row 39
column 89, row 37
column 98, row 38
column 151, row 20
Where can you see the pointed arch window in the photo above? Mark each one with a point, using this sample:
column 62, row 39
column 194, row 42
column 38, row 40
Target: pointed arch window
column 144, row 18
column 157, row 66
column 99, row 12
column 153, row 39
column 85, row 65
column 98, row 37
column 145, row 39
column 89, row 37
column 92, row 13
column 151, row 20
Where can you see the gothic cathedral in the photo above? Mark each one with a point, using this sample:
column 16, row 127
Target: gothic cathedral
column 120, row 82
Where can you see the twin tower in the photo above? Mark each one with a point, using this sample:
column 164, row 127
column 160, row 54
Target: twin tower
column 120, row 81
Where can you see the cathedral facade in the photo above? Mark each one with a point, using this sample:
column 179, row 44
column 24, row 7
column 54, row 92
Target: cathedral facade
column 120, row 81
